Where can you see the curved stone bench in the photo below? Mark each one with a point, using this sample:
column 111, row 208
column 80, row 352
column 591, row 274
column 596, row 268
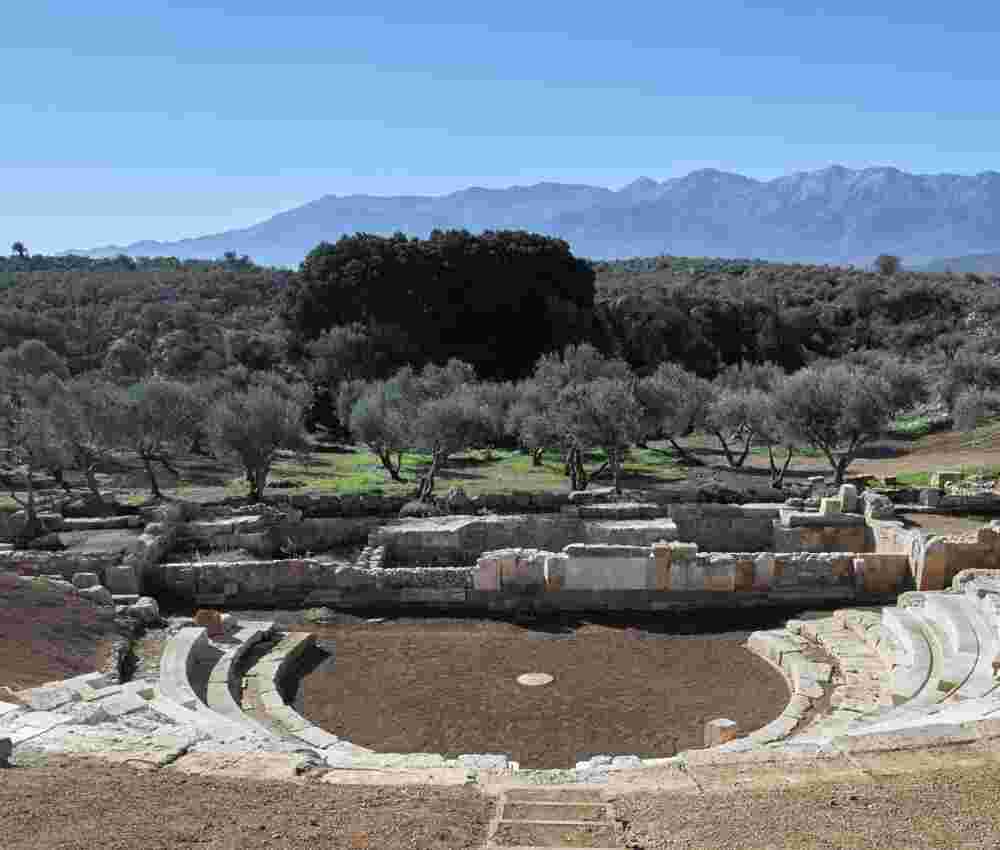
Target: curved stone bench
column 179, row 655
column 176, row 698
column 962, row 624
column 223, row 682
column 912, row 664
column 266, row 681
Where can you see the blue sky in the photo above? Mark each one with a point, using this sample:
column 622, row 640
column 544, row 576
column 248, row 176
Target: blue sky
column 153, row 119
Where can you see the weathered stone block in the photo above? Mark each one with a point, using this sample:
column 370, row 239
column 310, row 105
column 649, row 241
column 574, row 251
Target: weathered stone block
column 932, row 566
column 943, row 477
column 721, row 731
column 931, row 496
column 82, row 580
column 662, row 559
column 97, row 594
column 848, row 498
column 743, row 579
column 211, row 621
column 522, row 571
column 555, row 572
column 123, row 579
column 830, row 506
column 487, row 576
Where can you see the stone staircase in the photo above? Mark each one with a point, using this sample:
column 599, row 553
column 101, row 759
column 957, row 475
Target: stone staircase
column 551, row 818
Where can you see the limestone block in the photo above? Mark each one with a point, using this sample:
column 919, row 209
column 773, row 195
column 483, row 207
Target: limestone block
column 145, row 610
column 930, row 496
column 932, row 565
column 97, row 594
column 123, row 579
column 211, row 621
column 351, row 578
column 82, row 580
column 123, row 704
column 943, row 477
column 878, row 506
column 662, row 557
column 763, row 572
column 830, row 506
column 720, row 573
column 848, row 498
column 47, row 699
column 743, row 578
column 555, row 572
column 523, row 571
column 685, row 574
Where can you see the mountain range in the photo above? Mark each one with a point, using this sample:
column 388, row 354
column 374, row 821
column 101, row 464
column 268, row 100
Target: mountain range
column 836, row 215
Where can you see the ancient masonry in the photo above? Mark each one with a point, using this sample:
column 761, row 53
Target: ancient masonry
column 917, row 671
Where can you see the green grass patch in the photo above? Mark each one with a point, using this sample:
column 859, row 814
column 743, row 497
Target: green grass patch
column 914, row 479
column 970, row 471
column 911, row 426
column 497, row 471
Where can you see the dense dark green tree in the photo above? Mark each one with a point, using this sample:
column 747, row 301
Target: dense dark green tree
column 495, row 300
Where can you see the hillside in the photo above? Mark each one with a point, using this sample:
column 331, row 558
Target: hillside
column 835, row 215
column 190, row 318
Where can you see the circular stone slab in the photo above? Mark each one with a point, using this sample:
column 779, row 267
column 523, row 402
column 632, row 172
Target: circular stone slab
column 532, row 679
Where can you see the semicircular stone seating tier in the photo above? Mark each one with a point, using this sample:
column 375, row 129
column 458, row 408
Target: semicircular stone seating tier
column 926, row 667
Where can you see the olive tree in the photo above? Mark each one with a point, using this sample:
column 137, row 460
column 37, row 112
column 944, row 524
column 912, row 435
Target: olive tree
column 162, row 418
column 838, row 408
column 90, row 418
column 604, row 413
column 535, row 416
column 763, row 420
column 674, row 403
column 382, row 418
column 30, row 444
column 253, row 425
column 445, row 426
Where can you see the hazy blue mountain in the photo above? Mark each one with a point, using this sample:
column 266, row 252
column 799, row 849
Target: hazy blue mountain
column 978, row 263
column 836, row 215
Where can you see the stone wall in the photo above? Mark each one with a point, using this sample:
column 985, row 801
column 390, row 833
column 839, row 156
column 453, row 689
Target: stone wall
column 822, row 536
column 305, row 581
column 941, row 501
column 462, row 539
column 61, row 564
column 938, row 559
column 726, row 528
column 330, row 505
column 680, row 567
column 266, row 537
column 656, row 578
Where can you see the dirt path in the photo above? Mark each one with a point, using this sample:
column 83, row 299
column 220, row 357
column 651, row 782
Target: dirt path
column 451, row 688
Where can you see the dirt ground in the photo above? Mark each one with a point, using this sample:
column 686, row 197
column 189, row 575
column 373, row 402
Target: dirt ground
column 942, row 810
column 79, row 804
column 945, row 523
column 451, row 688
column 45, row 638
column 82, row 805
column 945, row 450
